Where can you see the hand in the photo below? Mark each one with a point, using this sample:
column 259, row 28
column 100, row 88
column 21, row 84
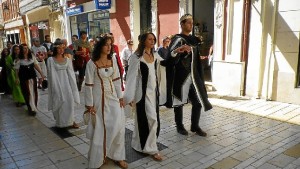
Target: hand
column 17, row 81
column 91, row 109
column 131, row 104
column 122, row 104
column 183, row 48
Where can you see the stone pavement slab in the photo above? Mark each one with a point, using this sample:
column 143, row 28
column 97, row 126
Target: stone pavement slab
column 236, row 138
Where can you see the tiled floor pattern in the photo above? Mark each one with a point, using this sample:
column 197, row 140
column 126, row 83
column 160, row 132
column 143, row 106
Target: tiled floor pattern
column 235, row 140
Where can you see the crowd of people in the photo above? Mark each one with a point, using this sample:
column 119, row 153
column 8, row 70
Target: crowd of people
column 143, row 78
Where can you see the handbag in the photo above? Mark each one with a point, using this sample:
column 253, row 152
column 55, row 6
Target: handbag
column 89, row 119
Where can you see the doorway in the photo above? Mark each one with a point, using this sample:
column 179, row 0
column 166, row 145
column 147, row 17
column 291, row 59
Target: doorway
column 203, row 11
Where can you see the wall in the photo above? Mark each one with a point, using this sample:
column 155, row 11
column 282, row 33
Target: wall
column 119, row 23
column 286, row 52
column 168, row 18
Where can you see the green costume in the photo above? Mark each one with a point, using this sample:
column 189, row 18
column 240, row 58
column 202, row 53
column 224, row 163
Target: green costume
column 11, row 79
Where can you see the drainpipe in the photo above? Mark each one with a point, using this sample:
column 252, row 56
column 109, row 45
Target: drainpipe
column 245, row 41
column 270, row 74
column 224, row 29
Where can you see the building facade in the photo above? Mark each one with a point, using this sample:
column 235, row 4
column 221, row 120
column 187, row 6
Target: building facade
column 13, row 22
column 256, row 49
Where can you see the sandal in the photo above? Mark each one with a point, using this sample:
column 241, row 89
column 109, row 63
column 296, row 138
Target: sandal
column 156, row 157
column 122, row 164
column 75, row 125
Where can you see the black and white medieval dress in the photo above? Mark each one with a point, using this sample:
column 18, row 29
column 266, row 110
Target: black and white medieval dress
column 142, row 89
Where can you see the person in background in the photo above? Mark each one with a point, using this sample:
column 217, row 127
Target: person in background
column 103, row 97
column 125, row 56
column 25, row 72
column 67, row 51
column 142, row 89
column 163, row 50
column 92, row 43
column 115, row 49
column 49, row 46
column 185, row 81
column 12, row 80
column 62, row 90
column 9, row 46
column 74, row 39
column 40, row 52
column 4, row 88
column 82, row 50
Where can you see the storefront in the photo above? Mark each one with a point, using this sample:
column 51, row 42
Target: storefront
column 93, row 22
column 14, row 32
column 39, row 30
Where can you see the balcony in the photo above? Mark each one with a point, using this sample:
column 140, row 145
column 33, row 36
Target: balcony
column 28, row 5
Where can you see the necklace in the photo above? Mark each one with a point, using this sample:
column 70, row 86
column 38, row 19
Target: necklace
column 105, row 65
column 150, row 56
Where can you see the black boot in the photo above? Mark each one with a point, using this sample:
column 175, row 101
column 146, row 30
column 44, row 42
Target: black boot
column 195, row 117
column 178, row 120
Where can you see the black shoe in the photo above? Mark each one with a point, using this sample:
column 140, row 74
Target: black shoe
column 31, row 113
column 199, row 131
column 182, row 130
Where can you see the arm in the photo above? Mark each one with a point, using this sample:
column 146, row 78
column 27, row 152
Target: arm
column 89, row 84
column 37, row 67
column 117, row 82
column 132, row 85
column 178, row 47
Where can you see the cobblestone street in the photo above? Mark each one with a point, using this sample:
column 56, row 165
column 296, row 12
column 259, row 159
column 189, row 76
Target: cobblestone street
column 242, row 133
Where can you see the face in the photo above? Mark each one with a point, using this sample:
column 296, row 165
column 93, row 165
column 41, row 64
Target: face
column 9, row 45
column 166, row 42
column 25, row 49
column 36, row 43
column 60, row 50
column 150, row 41
column 5, row 51
column 48, row 39
column 74, row 38
column 187, row 26
column 84, row 36
column 106, row 48
column 17, row 50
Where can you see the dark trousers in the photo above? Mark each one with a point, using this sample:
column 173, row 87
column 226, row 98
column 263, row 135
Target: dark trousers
column 196, row 110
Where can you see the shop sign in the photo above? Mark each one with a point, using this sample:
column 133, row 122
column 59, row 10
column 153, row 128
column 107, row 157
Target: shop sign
column 103, row 4
column 74, row 10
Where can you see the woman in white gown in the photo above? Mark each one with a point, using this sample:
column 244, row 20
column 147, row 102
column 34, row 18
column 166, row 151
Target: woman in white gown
column 142, row 89
column 103, row 95
column 62, row 90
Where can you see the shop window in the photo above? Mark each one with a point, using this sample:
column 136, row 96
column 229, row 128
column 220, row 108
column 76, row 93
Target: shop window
column 145, row 16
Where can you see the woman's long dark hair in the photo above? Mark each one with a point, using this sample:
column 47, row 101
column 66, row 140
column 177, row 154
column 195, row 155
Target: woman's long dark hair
column 141, row 47
column 98, row 48
column 3, row 53
column 22, row 56
column 56, row 44
column 13, row 54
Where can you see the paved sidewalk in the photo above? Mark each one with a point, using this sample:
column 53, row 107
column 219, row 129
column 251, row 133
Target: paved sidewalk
column 235, row 139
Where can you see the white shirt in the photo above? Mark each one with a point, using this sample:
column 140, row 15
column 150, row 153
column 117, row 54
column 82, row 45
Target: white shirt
column 125, row 56
column 39, row 52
